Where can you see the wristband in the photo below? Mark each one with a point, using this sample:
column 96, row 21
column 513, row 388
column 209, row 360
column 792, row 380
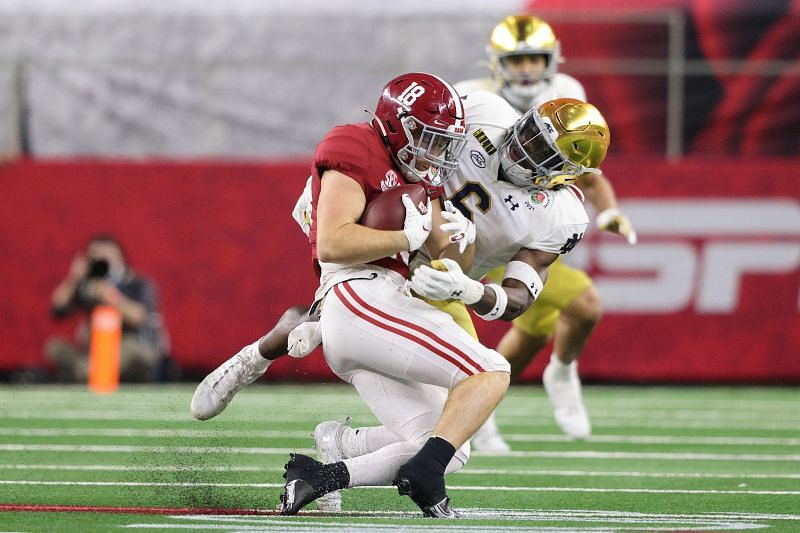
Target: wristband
column 500, row 303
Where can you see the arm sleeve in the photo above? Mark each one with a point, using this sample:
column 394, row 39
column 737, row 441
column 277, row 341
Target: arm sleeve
column 561, row 240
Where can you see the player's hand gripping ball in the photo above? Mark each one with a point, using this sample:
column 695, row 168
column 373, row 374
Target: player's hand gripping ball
column 386, row 211
column 405, row 208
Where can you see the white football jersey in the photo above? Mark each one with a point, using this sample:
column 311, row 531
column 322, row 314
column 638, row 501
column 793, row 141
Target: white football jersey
column 507, row 217
column 559, row 86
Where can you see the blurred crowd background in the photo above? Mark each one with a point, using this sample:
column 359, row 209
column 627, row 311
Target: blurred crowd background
column 185, row 128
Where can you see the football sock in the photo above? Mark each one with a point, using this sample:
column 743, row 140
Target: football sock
column 435, row 455
column 561, row 371
column 423, row 474
column 361, row 441
column 378, row 468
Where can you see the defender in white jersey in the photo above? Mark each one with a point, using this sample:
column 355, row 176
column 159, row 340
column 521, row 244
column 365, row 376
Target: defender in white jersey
column 508, row 216
column 524, row 56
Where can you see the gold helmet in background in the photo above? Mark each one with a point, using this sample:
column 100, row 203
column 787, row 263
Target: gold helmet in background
column 522, row 35
column 554, row 143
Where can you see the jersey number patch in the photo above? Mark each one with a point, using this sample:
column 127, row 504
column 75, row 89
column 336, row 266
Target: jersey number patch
column 482, row 201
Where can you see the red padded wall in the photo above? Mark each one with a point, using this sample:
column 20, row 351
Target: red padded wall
column 220, row 241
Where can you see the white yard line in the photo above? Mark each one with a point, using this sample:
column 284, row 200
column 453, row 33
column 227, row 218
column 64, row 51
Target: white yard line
column 98, row 448
column 465, row 471
column 594, row 473
column 280, row 451
column 666, row 423
column 541, row 419
column 269, row 395
column 512, row 412
column 267, row 434
column 595, row 521
column 450, row 487
column 140, row 468
column 658, row 439
column 133, row 432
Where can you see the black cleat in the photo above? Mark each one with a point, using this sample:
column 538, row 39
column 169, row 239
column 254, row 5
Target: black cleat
column 429, row 498
column 441, row 510
column 301, row 474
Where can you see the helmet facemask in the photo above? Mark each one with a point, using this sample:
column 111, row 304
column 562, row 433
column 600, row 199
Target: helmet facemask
column 520, row 89
column 436, row 149
column 530, row 157
column 421, row 120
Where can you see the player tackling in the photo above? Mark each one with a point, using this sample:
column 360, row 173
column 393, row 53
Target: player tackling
column 524, row 56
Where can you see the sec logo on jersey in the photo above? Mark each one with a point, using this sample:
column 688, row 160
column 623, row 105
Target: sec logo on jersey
column 390, row 181
column 477, row 159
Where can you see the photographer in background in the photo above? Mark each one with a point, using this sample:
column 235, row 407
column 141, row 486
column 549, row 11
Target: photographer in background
column 101, row 276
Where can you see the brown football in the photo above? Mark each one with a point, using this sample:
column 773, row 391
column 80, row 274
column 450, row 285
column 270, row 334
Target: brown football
column 387, row 212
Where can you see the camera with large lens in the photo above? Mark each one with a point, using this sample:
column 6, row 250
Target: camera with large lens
column 98, row 268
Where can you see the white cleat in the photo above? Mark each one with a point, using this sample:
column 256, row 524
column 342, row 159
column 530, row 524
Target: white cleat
column 217, row 390
column 563, row 386
column 488, row 439
column 328, row 445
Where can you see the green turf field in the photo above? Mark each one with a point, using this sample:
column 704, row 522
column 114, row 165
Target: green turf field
column 660, row 459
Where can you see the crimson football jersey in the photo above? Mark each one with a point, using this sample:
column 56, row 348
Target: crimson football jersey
column 358, row 151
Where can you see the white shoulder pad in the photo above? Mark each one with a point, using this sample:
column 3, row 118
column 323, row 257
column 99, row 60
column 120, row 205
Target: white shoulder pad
column 483, row 108
column 466, row 87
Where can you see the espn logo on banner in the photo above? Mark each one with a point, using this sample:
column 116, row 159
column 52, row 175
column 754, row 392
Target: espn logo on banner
column 693, row 254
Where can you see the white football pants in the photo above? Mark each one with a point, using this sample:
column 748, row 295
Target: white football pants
column 402, row 355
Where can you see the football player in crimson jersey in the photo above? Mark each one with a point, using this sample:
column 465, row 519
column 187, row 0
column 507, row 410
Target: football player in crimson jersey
column 524, row 55
column 428, row 381
column 528, row 214
column 515, row 181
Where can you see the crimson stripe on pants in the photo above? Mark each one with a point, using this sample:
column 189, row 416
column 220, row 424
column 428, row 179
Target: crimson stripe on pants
column 382, row 325
column 413, row 326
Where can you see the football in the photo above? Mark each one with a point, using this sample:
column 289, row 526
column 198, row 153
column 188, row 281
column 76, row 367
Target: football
column 386, row 211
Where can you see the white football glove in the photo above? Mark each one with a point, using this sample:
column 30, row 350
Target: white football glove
column 613, row 220
column 304, row 338
column 446, row 281
column 417, row 226
column 302, row 208
column 461, row 229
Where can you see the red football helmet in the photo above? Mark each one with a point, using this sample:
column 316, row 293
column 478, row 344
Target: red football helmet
column 421, row 119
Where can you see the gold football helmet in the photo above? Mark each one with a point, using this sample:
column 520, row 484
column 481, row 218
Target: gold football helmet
column 554, row 143
column 514, row 37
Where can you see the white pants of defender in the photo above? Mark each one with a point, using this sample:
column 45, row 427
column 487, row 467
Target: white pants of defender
column 402, row 355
